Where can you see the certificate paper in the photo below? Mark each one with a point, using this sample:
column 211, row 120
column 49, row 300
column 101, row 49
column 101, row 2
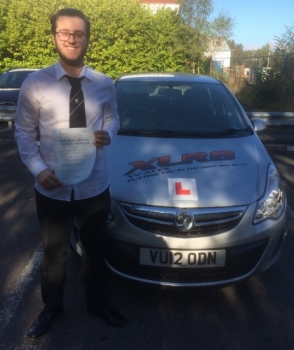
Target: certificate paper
column 74, row 154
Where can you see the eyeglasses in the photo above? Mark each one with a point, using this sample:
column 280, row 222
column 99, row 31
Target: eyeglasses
column 64, row 36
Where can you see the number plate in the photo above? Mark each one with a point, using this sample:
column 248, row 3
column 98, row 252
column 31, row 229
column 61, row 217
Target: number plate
column 183, row 258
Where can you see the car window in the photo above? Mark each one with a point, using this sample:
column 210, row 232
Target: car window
column 177, row 107
column 13, row 79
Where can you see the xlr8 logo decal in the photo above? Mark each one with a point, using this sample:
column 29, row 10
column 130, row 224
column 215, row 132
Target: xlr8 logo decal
column 183, row 189
column 189, row 158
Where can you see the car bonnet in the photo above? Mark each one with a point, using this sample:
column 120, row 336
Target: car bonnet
column 187, row 172
column 9, row 95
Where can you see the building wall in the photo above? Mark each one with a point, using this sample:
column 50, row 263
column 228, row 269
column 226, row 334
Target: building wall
column 220, row 53
column 224, row 56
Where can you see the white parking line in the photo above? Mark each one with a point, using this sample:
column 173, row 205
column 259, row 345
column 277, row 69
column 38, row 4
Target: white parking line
column 15, row 296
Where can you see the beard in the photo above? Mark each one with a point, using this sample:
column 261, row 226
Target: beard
column 76, row 62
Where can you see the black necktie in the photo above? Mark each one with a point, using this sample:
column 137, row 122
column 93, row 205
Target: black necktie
column 77, row 114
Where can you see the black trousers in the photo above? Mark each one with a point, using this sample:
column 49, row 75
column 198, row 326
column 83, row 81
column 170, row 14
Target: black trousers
column 56, row 219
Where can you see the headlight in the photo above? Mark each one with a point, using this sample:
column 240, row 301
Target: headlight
column 271, row 205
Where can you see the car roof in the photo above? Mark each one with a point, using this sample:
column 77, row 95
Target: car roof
column 168, row 76
column 22, row 69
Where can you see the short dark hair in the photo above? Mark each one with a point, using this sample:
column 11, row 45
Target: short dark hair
column 69, row 12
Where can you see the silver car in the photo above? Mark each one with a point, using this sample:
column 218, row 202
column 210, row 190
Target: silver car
column 196, row 199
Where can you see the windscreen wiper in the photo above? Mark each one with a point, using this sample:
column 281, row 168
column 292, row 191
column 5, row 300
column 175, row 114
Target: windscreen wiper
column 179, row 133
column 230, row 131
column 160, row 133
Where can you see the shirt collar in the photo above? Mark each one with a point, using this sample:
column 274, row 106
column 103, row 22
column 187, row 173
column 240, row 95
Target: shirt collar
column 60, row 72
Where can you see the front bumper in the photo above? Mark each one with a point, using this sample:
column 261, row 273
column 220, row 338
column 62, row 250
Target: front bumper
column 249, row 251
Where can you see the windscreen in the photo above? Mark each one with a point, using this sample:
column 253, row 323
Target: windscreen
column 13, row 79
column 177, row 107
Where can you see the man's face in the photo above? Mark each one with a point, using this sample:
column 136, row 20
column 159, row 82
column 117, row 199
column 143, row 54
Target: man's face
column 71, row 50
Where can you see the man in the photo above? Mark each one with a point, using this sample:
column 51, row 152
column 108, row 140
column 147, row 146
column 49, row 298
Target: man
column 44, row 103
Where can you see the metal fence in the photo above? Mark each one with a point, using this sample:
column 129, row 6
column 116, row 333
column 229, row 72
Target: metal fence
column 274, row 118
column 247, row 67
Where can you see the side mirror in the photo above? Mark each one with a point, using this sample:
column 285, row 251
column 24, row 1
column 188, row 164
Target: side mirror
column 258, row 124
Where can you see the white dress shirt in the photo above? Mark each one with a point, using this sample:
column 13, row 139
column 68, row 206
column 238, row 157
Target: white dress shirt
column 44, row 102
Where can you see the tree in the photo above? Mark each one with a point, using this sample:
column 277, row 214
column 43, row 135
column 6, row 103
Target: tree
column 128, row 37
column 222, row 26
column 3, row 20
column 285, row 43
column 273, row 88
column 27, row 33
column 283, row 66
column 236, row 50
column 196, row 31
column 125, row 36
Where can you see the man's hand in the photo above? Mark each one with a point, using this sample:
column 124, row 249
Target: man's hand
column 101, row 138
column 48, row 180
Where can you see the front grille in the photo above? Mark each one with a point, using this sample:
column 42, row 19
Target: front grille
column 161, row 220
column 240, row 260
